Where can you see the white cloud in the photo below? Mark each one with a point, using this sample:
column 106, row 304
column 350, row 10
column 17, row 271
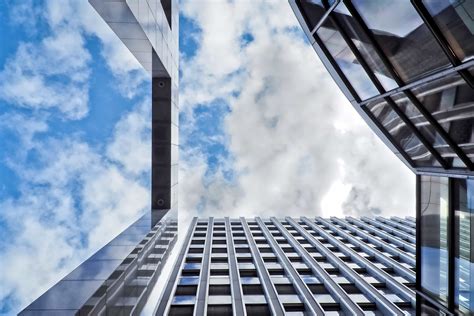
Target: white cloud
column 73, row 193
column 296, row 144
column 52, row 74
column 136, row 125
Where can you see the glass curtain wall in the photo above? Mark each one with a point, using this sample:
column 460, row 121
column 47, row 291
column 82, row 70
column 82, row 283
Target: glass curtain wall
column 390, row 54
column 446, row 231
column 434, row 199
column 463, row 204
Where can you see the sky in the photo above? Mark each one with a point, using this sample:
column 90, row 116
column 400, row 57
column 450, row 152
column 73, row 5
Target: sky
column 264, row 131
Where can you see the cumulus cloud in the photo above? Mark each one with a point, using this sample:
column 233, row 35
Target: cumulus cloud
column 71, row 197
column 296, row 145
column 74, row 197
column 51, row 74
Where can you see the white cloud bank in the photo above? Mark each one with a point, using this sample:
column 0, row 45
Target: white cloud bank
column 297, row 145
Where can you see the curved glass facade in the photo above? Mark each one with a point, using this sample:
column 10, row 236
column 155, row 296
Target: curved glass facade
column 408, row 69
column 408, row 65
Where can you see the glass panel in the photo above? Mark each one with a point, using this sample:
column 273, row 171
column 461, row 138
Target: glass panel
column 402, row 135
column 456, row 21
column 403, row 36
column 427, row 130
column 434, row 198
column 451, row 102
column 463, row 204
column 353, row 29
column 313, row 10
column 346, row 60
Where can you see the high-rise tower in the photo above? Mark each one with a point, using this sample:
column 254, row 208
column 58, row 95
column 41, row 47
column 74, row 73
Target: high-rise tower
column 294, row 267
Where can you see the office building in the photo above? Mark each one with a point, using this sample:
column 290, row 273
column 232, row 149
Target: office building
column 407, row 67
column 118, row 279
column 294, row 266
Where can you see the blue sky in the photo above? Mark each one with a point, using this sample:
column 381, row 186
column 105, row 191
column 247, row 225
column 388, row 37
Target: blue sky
column 264, row 131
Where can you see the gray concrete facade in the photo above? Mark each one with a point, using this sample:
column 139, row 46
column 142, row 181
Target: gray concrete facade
column 292, row 266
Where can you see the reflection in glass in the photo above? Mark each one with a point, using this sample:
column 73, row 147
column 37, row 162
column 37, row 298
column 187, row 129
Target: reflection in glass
column 434, row 196
column 184, row 299
column 427, row 130
column 313, row 11
column 346, row 60
column 403, row 36
column 451, row 102
column 402, row 134
column 361, row 41
column 463, row 204
column 455, row 19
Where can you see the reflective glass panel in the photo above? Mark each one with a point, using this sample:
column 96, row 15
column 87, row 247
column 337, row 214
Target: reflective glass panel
column 402, row 134
column 405, row 39
column 427, row 130
column 434, row 196
column 313, row 10
column 451, row 102
column 456, row 20
column 463, row 203
column 361, row 41
column 346, row 60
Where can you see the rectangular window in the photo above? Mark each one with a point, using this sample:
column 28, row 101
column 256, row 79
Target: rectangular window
column 451, row 102
column 362, row 42
column 402, row 134
column 346, row 60
column 455, row 19
column 427, row 130
column 434, row 197
column 313, row 11
column 404, row 38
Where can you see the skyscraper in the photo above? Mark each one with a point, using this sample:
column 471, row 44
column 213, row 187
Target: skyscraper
column 118, row 279
column 294, row 266
column 407, row 67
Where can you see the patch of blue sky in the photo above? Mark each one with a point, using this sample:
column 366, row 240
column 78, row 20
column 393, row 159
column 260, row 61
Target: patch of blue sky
column 208, row 136
column 188, row 37
column 106, row 104
column 246, row 39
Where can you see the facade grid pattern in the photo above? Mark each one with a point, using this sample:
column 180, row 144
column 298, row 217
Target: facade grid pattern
column 294, row 266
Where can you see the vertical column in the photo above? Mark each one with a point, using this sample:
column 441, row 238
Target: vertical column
column 236, row 288
column 166, row 297
column 310, row 302
column 270, row 292
column 204, row 275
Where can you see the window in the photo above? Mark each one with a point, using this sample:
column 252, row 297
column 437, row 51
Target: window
column 456, row 22
column 401, row 133
column 346, row 60
column 313, row 11
column 451, row 102
column 404, row 38
column 362, row 42
column 219, row 289
column 434, row 197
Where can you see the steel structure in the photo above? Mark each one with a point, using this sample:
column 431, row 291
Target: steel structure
column 291, row 266
column 407, row 67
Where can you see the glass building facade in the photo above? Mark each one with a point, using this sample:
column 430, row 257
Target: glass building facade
column 294, row 266
column 118, row 279
column 407, row 67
